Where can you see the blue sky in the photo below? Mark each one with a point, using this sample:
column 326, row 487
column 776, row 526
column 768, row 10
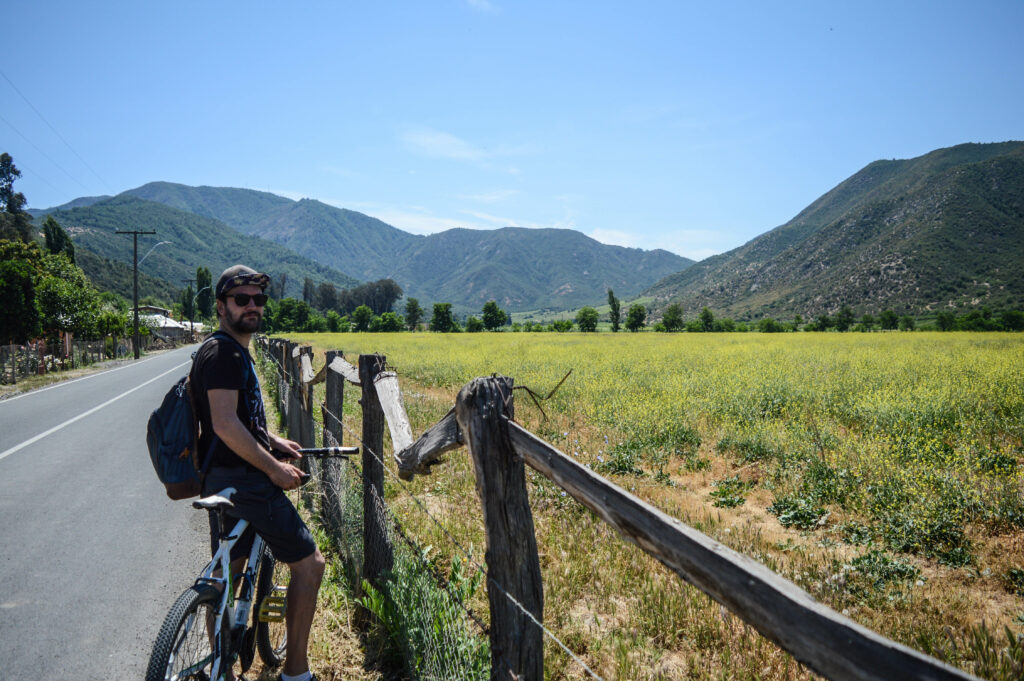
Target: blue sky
column 687, row 126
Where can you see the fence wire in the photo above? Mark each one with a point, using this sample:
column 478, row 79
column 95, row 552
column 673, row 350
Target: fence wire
column 468, row 557
column 425, row 615
column 422, row 615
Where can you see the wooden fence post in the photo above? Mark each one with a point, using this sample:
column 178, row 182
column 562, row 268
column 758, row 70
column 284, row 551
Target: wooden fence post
column 377, row 551
column 282, row 378
column 307, row 434
column 330, row 473
column 483, row 409
column 294, row 386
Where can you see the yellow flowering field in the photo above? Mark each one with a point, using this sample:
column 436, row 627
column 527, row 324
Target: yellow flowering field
column 883, row 472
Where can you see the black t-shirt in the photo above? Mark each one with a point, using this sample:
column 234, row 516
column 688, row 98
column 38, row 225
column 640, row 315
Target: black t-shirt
column 222, row 363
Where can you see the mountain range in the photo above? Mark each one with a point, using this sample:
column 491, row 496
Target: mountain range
column 941, row 231
column 523, row 269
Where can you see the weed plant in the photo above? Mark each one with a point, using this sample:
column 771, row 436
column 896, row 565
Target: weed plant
column 898, row 455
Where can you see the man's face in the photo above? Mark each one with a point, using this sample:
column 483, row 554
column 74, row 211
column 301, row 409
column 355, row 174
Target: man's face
column 241, row 319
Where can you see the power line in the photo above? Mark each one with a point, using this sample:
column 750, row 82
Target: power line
column 39, row 177
column 61, row 137
column 43, row 153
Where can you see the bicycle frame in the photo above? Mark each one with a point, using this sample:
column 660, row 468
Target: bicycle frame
column 236, row 609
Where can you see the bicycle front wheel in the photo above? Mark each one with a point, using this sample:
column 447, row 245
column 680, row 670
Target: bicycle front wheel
column 183, row 648
column 271, row 586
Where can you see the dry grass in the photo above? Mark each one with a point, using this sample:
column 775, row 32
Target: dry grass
column 621, row 611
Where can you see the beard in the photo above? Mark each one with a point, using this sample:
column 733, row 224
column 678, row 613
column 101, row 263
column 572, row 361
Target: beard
column 247, row 321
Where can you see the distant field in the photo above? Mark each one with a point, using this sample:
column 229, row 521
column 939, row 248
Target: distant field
column 882, row 472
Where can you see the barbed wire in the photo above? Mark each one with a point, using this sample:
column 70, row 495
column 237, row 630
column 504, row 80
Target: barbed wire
column 467, row 555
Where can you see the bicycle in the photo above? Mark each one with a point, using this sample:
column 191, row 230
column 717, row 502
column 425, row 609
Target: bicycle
column 207, row 629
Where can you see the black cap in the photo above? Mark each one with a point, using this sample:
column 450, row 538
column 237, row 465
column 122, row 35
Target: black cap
column 240, row 275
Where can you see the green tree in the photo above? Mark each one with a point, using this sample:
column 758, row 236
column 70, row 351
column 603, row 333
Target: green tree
column 187, row 296
column 390, row 322
column 316, row 323
column 1012, row 320
column 15, row 223
column 867, row 322
column 493, row 317
column 613, row 314
column 888, row 320
column 326, row 296
column 707, row 319
column 308, row 291
column 67, row 301
column 113, row 324
column 823, row 323
column 442, row 320
column 636, row 317
column 19, row 270
column 292, row 315
column 844, row 318
column 769, row 325
column 333, row 321
column 413, row 313
column 907, row 323
column 205, row 299
column 57, row 240
column 798, row 321
column 361, row 318
column 586, row 319
column 672, row 318
column 945, row 320
column 474, row 325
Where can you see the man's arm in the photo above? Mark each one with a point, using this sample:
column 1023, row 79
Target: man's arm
column 285, row 446
column 231, row 431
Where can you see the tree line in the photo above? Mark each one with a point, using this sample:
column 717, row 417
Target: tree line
column 291, row 315
column 44, row 292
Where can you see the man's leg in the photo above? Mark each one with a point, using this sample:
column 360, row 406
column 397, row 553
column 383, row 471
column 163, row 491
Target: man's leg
column 302, row 592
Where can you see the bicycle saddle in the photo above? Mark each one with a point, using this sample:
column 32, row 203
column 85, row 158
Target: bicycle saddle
column 215, row 501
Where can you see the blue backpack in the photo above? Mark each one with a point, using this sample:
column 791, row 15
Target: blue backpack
column 172, row 436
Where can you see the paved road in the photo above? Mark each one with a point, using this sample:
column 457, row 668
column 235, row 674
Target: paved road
column 92, row 552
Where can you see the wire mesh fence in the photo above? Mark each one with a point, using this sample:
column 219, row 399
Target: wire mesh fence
column 418, row 608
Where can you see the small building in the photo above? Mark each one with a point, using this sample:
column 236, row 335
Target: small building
column 164, row 327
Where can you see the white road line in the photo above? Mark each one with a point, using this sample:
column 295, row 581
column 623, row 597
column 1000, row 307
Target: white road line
column 26, row 443
column 60, row 384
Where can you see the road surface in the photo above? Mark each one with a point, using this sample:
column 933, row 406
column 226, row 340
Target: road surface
column 92, row 552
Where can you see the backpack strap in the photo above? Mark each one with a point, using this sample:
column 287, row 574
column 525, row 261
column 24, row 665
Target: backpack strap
column 208, row 458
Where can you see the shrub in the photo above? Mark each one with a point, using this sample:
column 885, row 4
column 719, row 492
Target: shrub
column 800, row 512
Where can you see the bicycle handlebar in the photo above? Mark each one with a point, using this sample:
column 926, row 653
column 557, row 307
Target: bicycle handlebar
column 316, row 453
column 319, row 453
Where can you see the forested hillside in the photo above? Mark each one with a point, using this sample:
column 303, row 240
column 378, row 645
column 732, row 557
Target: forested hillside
column 942, row 231
column 194, row 241
column 524, row 269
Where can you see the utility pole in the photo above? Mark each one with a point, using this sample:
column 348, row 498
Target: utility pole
column 191, row 313
column 135, row 264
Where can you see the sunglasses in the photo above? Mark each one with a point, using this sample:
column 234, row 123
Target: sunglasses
column 242, row 299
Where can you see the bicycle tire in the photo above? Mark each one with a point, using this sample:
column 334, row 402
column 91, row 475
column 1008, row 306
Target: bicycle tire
column 271, row 637
column 182, row 650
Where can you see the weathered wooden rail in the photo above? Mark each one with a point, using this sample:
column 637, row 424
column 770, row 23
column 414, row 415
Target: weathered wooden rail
column 482, row 419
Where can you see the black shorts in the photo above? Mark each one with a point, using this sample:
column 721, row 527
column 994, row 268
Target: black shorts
column 268, row 510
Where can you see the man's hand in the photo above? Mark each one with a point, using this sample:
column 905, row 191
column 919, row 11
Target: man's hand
column 289, row 448
column 286, row 476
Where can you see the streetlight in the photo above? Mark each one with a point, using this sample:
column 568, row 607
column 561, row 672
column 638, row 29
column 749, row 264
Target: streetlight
column 159, row 243
column 192, row 312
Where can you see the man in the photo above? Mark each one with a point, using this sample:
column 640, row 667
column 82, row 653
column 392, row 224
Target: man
column 234, row 433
